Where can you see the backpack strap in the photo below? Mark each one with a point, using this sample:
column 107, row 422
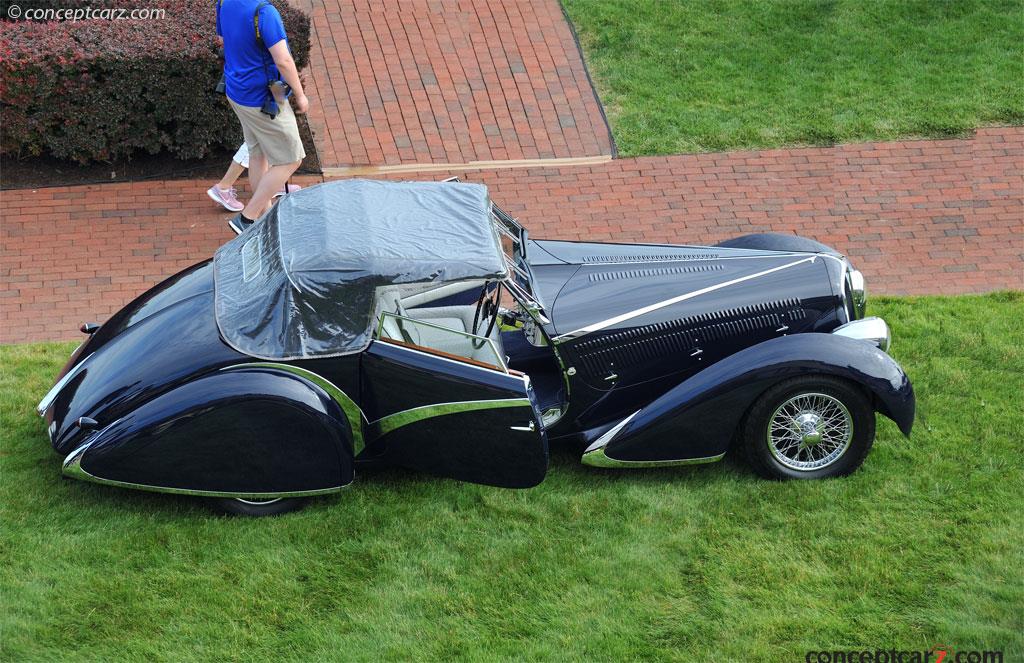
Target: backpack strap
column 256, row 22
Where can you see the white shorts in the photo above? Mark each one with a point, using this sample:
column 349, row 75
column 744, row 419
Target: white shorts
column 242, row 156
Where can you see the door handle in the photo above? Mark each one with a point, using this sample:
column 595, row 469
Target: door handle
column 529, row 429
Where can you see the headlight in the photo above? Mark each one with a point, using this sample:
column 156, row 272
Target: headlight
column 873, row 330
column 858, row 295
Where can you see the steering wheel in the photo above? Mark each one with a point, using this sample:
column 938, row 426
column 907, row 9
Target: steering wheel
column 488, row 307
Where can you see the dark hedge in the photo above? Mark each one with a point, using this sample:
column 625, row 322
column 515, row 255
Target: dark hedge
column 104, row 89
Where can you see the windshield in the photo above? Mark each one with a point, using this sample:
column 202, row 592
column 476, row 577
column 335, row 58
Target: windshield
column 513, row 238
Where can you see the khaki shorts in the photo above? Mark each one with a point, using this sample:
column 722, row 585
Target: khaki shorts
column 277, row 139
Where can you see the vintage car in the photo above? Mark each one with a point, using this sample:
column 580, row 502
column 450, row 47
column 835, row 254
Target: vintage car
column 417, row 324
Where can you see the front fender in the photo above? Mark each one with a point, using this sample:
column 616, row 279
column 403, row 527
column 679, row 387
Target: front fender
column 244, row 432
column 698, row 418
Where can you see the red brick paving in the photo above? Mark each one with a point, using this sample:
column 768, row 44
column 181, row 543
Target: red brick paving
column 444, row 81
column 916, row 216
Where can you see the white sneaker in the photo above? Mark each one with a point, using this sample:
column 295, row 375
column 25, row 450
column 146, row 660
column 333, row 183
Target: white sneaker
column 291, row 188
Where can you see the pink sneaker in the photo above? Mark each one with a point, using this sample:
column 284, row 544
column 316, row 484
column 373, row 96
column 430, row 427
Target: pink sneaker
column 292, row 188
column 225, row 197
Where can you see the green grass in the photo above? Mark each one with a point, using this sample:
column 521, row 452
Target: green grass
column 922, row 546
column 704, row 75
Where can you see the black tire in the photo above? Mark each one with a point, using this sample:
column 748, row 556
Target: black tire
column 758, row 450
column 776, row 242
column 259, row 508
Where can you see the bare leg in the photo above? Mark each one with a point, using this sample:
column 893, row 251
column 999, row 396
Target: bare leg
column 266, row 184
column 235, row 171
column 257, row 169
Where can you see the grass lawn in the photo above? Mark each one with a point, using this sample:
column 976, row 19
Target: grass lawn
column 705, row 75
column 922, row 546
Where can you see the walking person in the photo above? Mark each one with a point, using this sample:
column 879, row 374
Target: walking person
column 224, row 192
column 258, row 72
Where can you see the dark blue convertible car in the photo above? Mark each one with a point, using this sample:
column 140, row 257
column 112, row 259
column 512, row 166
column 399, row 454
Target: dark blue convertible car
column 417, row 324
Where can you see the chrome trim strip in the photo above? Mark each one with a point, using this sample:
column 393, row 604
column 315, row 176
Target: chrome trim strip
column 72, row 468
column 551, row 416
column 352, row 411
column 607, row 436
column 597, row 458
column 597, row 326
column 754, row 253
column 396, row 420
column 51, row 395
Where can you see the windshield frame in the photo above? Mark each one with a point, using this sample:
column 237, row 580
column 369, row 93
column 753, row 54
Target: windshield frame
column 520, row 277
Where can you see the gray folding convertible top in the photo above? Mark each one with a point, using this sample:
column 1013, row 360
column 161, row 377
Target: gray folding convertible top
column 301, row 283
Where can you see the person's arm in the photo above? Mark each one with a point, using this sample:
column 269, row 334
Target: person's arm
column 286, row 65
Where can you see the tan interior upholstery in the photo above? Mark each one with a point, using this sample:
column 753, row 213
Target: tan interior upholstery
column 455, row 318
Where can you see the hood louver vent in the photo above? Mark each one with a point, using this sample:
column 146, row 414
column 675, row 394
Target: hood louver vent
column 642, row 344
column 653, row 271
column 650, row 257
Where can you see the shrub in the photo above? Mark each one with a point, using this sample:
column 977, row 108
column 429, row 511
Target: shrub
column 103, row 89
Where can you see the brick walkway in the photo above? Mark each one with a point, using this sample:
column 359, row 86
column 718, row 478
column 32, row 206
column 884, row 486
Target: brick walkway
column 445, row 81
column 916, row 217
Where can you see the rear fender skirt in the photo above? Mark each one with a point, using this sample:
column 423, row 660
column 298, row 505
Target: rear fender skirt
column 698, row 418
column 247, row 432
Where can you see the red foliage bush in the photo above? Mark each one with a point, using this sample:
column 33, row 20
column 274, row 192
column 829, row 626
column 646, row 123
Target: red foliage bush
column 97, row 90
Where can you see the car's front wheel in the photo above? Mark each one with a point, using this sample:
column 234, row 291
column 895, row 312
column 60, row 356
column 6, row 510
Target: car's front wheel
column 810, row 427
column 256, row 507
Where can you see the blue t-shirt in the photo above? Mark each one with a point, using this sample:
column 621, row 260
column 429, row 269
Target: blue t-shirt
column 248, row 67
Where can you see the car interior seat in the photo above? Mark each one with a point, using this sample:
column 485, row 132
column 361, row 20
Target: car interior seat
column 438, row 324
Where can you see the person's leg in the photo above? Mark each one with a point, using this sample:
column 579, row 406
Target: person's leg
column 266, row 186
column 275, row 153
column 234, row 171
column 282, row 149
column 223, row 192
column 289, row 188
column 257, row 169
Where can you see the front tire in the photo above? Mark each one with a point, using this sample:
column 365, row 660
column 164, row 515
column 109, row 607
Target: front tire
column 255, row 508
column 810, row 427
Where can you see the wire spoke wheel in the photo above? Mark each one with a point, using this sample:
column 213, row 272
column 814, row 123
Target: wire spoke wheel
column 809, row 431
column 256, row 507
column 258, row 502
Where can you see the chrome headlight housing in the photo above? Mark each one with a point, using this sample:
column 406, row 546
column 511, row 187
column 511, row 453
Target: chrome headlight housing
column 854, row 293
column 873, row 330
column 858, row 294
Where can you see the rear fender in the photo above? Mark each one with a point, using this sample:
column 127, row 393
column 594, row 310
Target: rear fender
column 697, row 419
column 239, row 432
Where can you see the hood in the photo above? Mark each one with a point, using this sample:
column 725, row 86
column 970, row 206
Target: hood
column 163, row 338
column 591, row 287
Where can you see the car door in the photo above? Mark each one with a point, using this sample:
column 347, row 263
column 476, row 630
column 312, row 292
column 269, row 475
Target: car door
column 452, row 416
